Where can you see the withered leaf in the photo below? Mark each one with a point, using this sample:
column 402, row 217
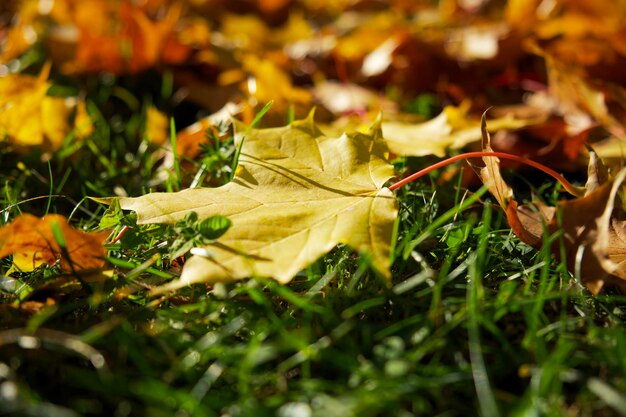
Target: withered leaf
column 593, row 241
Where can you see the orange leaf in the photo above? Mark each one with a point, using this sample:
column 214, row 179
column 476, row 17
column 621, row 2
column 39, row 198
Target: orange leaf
column 32, row 243
column 122, row 38
column 188, row 140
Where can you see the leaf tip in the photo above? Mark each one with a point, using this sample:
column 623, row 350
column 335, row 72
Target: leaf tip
column 104, row 200
column 310, row 118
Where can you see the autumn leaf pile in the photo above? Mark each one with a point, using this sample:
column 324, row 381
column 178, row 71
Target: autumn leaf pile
column 552, row 70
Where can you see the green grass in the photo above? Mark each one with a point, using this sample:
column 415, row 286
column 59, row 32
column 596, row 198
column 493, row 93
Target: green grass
column 474, row 323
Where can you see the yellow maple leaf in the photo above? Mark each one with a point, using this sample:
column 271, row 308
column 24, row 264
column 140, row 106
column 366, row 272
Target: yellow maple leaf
column 296, row 194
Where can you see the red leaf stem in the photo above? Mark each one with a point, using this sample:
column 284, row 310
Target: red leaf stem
column 565, row 183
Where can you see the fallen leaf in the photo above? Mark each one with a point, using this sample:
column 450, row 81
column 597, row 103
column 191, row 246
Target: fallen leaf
column 572, row 97
column 157, row 126
column 117, row 37
column 361, row 34
column 189, row 139
column 22, row 35
column 31, row 118
column 490, row 173
column 451, row 129
column 379, row 59
column 83, row 124
column 297, row 28
column 520, row 14
column 592, row 239
column 475, row 42
column 32, row 243
column 296, row 194
column 245, row 32
column 349, row 98
column 268, row 82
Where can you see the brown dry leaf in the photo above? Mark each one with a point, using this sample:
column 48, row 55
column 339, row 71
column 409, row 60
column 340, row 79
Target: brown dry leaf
column 490, row 173
column 593, row 241
column 580, row 104
column 617, row 253
column 32, row 243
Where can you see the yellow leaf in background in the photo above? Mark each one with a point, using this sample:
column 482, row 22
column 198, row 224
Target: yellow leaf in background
column 521, row 13
column 32, row 243
column 451, row 129
column 23, row 34
column 269, row 82
column 55, row 112
column 378, row 60
column 360, row 35
column 296, row 29
column 195, row 32
column 296, row 194
column 29, row 117
column 157, row 126
column 246, row 32
column 82, row 121
column 21, row 98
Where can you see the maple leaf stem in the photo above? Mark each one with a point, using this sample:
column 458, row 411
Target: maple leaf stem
column 565, row 183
